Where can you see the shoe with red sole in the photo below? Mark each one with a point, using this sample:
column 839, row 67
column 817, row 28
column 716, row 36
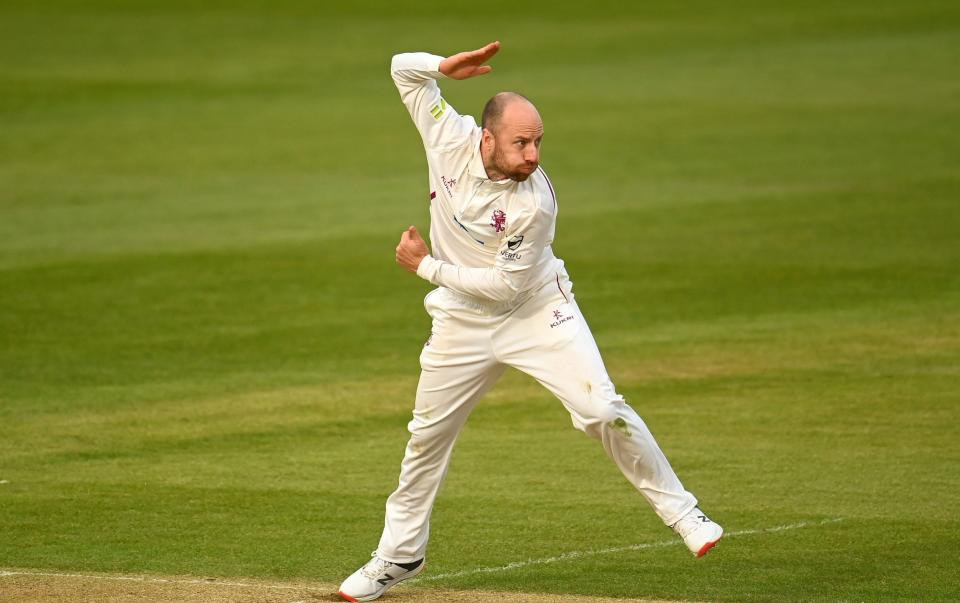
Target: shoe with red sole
column 698, row 532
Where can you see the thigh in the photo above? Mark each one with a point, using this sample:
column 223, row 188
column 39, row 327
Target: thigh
column 553, row 344
column 457, row 365
column 447, row 395
column 459, row 335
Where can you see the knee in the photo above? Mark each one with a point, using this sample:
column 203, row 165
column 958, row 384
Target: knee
column 426, row 442
column 424, row 429
column 429, row 427
column 608, row 411
column 608, row 403
column 600, row 408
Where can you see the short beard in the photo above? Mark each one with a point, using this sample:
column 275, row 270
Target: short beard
column 497, row 159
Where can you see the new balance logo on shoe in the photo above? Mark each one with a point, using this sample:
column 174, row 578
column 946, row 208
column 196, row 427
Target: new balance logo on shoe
column 373, row 579
column 699, row 533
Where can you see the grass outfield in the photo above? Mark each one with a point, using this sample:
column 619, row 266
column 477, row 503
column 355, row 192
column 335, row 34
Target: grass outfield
column 208, row 356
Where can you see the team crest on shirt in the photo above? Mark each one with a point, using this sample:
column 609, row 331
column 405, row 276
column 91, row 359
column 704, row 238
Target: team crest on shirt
column 498, row 221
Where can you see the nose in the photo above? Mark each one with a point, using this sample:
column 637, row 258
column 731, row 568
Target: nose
column 531, row 154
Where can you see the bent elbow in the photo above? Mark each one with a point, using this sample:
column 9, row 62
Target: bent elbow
column 504, row 291
column 394, row 66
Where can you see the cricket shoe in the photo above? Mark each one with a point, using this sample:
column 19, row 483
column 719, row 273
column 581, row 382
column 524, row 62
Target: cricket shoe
column 374, row 578
column 698, row 532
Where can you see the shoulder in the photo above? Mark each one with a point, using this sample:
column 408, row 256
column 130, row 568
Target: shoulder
column 542, row 195
column 458, row 134
column 534, row 200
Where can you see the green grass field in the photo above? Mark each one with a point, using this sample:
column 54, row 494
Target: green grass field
column 208, row 356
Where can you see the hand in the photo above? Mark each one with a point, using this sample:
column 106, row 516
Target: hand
column 469, row 64
column 411, row 250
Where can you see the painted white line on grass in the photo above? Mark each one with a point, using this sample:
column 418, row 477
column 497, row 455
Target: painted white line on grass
column 152, row 580
column 470, row 572
column 620, row 549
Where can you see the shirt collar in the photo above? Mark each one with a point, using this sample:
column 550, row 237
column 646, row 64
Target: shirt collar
column 477, row 170
column 476, row 164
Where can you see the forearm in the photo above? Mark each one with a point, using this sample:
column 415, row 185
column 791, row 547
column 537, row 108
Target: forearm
column 439, row 124
column 412, row 69
column 485, row 283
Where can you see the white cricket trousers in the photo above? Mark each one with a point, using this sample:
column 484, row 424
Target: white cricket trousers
column 471, row 345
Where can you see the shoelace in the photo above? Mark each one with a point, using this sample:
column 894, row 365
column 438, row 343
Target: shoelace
column 375, row 567
column 690, row 523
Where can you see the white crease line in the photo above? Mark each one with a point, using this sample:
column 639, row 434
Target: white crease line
column 479, row 570
column 608, row 551
column 160, row 580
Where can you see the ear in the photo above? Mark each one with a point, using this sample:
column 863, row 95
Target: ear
column 487, row 138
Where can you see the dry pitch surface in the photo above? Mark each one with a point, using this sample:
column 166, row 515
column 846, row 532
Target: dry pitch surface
column 29, row 586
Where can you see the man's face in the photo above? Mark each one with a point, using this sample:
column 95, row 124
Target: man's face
column 515, row 143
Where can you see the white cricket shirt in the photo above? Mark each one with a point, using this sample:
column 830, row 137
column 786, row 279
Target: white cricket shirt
column 490, row 239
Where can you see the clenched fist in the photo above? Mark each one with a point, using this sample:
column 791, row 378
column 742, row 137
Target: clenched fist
column 412, row 249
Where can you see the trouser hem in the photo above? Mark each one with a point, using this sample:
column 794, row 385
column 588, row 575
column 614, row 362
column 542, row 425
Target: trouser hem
column 677, row 517
column 400, row 559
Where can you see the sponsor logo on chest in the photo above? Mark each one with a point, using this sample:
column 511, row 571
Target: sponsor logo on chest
column 510, row 253
column 449, row 184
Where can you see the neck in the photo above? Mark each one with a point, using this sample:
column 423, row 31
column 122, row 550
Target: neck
column 491, row 168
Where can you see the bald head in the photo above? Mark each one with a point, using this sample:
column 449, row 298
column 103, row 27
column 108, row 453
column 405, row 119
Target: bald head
column 512, row 131
column 512, row 103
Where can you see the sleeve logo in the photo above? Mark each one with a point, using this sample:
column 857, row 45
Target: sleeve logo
column 438, row 110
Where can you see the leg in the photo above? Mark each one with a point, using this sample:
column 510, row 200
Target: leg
column 458, row 367
column 444, row 400
column 549, row 340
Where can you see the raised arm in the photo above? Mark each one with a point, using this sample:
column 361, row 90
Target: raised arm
column 415, row 75
column 469, row 64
